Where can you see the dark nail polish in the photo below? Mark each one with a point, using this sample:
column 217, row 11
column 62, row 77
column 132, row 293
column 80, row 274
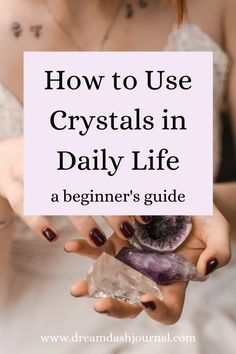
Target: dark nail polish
column 211, row 265
column 146, row 218
column 97, row 237
column 49, row 234
column 75, row 295
column 149, row 305
column 127, row 229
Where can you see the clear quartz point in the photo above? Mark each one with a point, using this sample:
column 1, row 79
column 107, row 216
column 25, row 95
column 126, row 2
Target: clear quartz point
column 110, row 277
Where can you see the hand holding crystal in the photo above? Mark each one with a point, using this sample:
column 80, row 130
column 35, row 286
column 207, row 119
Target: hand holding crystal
column 208, row 241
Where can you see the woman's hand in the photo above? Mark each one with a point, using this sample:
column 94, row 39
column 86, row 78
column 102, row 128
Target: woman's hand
column 121, row 225
column 212, row 235
column 11, row 188
column 208, row 246
column 167, row 311
column 11, row 193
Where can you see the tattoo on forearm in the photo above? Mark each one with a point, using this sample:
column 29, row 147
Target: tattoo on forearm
column 36, row 30
column 17, row 30
column 129, row 10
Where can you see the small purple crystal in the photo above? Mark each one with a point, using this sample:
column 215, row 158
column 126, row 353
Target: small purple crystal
column 163, row 268
column 163, row 233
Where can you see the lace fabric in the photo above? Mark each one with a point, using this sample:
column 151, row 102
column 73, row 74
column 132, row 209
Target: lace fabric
column 11, row 115
column 191, row 38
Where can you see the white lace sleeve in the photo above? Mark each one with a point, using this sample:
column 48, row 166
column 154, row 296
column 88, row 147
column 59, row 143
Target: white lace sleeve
column 190, row 37
column 11, row 115
column 11, row 125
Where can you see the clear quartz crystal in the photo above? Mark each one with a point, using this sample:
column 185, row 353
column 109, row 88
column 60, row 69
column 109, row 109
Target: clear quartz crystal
column 110, row 277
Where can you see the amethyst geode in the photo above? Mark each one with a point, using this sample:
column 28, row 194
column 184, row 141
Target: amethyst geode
column 157, row 240
column 163, row 233
column 137, row 271
column 163, row 268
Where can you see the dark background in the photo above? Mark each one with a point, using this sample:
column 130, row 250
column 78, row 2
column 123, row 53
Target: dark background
column 228, row 164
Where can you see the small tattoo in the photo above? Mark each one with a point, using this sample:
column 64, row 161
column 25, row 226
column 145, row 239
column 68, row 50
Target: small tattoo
column 36, row 30
column 129, row 10
column 16, row 29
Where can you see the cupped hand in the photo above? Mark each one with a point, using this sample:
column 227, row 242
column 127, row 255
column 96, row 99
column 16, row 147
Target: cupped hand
column 11, row 188
column 12, row 194
column 211, row 234
column 120, row 224
column 208, row 246
column 166, row 311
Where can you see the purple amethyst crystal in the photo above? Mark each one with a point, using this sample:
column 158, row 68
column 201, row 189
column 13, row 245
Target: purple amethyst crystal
column 163, row 268
column 163, row 233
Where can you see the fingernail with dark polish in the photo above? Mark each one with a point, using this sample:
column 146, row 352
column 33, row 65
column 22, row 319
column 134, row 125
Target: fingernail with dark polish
column 149, row 305
column 49, row 234
column 97, row 237
column 146, row 218
column 75, row 295
column 127, row 229
column 211, row 265
column 103, row 312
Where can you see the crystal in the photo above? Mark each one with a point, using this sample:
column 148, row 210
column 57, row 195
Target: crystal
column 163, row 233
column 164, row 268
column 112, row 278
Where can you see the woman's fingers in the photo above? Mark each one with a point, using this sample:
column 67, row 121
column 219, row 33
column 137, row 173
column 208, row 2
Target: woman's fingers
column 218, row 246
column 116, row 308
column 216, row 255
column 166, row 312
column 169, row 310
column 143, row 219
column 79, row 289
column 12, row 189
column 89, row 229
column 38, row 224
column 41, row 226
column 122, row 226
column 81, row 247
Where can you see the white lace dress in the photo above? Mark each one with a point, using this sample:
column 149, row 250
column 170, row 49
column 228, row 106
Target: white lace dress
column 38, row 301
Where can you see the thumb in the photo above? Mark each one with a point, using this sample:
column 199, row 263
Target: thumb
column 216, row 255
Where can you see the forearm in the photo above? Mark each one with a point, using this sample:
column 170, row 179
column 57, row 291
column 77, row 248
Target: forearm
column 225, row 200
